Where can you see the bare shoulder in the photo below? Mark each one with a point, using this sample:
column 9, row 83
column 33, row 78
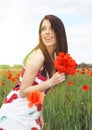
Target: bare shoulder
column 36, row 58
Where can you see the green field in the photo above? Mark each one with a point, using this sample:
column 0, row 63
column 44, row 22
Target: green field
column 68, row 106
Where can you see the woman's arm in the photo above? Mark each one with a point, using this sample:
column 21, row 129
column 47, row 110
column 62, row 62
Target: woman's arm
column 32, row 66
column 34, row 63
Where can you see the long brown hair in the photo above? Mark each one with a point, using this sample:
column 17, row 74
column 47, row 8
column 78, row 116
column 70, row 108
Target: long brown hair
column 61, row 44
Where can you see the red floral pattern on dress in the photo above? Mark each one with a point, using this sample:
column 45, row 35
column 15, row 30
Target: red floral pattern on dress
column 13, row 97
column 38, row 121
column 16, row 88
column 42, row 75
column 35, row 83
column 22, row 72
column 34, row 128
column 39, row 107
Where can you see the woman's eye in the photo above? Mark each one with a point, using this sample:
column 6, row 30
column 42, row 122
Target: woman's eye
column 42, row 29
column 52, row 28
column 47, row 29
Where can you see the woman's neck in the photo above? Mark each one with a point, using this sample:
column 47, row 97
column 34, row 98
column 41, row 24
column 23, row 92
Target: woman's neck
column 51, row 51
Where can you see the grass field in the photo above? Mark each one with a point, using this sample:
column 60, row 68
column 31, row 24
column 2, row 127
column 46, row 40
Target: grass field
column 68, row 106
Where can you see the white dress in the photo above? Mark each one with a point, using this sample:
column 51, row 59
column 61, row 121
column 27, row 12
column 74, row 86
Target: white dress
column 15, row 113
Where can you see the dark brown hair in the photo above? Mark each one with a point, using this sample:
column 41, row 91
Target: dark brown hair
column 61, row 44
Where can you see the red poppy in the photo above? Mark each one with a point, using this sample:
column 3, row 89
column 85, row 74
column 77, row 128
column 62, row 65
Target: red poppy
column 88, row 68
column 67, row 95
column 90, row 74
column 69, row 83
column 35, row 97
column 82, row 72
column 2, row 83
column 78, row 71
column 85, row 87
column 65, row 63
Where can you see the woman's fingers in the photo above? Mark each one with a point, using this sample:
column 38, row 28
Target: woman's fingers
column 58, row 78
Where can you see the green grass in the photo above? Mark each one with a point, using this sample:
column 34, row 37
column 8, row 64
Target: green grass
column 65, row 107
column 69, row 107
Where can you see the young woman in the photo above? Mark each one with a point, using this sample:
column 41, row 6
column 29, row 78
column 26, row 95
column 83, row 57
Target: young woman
column 38, row 74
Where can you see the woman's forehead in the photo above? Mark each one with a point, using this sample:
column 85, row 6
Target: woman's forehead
column 46, row 22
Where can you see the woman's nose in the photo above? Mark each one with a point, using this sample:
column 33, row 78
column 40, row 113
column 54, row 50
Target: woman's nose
column 47, row 30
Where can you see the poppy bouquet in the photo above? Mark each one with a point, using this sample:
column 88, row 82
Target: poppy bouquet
column 65, row 63
column 35, row 98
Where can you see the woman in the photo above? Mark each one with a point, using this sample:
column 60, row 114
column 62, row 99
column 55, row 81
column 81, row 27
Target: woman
column 38, row 74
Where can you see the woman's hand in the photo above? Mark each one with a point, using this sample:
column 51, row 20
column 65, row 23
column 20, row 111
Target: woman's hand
column 57, row 78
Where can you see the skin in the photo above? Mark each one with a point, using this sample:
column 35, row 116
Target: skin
column 49, row 39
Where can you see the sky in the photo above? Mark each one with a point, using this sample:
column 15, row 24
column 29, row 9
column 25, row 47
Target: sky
column 19, row 24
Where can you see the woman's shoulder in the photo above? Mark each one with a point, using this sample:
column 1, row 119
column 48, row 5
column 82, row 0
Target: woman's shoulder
column 35, row 57
column 36, row 54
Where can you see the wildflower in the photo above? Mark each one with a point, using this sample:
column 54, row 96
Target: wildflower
column 65, row 63
column 35, row 98
column 67, row 95
column 85, row 87
column 69, row 83
column 90, row 74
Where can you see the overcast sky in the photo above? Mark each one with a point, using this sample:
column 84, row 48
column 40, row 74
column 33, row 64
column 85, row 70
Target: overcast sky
column 19, row 23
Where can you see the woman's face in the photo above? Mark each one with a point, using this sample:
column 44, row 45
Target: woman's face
column 47, row 34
